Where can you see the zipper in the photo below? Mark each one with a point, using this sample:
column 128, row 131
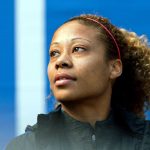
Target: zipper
column 93, row 139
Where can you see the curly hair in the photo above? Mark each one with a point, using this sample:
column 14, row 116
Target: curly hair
column 131, row 91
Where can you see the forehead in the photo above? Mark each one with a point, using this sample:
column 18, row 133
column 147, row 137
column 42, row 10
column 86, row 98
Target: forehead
column 74, row 29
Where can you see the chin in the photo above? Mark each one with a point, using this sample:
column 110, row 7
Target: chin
column 64, row 98
column 63, row 94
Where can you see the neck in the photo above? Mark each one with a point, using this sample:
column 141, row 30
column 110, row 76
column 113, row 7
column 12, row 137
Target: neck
column 89, row 110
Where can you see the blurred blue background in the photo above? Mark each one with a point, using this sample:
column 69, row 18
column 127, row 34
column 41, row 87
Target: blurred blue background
column 26, row 28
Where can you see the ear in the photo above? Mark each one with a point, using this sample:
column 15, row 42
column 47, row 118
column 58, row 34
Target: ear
column 115, row 68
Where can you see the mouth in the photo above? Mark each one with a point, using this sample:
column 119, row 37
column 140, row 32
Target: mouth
column 62, row 79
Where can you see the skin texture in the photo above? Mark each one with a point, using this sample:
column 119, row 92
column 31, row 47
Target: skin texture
column 87, row 98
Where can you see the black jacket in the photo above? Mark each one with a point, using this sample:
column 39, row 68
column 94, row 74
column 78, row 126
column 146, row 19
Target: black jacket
column 58, row 131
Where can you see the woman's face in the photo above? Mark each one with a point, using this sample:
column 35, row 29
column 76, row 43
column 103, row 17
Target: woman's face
column 78, row 69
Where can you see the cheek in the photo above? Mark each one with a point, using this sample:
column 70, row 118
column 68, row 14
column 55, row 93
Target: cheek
column 50, row 72
column 93, row 72
column 91, row 67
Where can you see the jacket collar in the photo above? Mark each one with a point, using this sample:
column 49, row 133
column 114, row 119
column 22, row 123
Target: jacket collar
column 134, row 123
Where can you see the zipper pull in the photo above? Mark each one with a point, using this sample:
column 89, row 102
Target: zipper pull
column 93, row 138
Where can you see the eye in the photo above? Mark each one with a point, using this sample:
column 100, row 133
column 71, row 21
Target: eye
column 79, row 49
column 54, row 53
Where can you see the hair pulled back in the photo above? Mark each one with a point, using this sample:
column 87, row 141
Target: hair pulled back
column 131, row 91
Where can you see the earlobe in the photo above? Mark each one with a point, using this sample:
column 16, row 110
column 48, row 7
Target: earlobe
column 115, row 68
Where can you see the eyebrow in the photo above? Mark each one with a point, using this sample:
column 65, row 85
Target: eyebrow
column 80, row 39
column 74, row 39
column 54, row 43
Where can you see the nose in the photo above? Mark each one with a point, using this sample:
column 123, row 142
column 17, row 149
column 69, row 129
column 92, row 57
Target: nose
column 63, row 61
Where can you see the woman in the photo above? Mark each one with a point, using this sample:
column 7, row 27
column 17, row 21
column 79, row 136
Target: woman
column 100, row 74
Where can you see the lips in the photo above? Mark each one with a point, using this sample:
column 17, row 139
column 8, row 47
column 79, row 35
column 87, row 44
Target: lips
column 63, row 79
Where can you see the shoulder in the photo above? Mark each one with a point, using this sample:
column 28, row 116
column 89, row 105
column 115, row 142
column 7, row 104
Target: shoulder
column 25, row 141
column 45, row 125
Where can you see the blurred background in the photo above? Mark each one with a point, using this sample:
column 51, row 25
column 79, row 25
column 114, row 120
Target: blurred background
column 26, row 28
